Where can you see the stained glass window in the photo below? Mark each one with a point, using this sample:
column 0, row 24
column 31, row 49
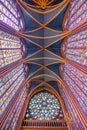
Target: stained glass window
column 75, row 122
column 10, row 45
column 9, row 14
column 44, row 106
column 76, row 48
column 77, row 83
column 10, row 48
column 77, row 13
column 15, row 111
column 9, row 84
column 76, row 44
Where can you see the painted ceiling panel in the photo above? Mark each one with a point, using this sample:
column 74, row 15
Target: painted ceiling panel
column 37, row 16
column 52, row 15
column 40, row 39
column 47, row 62
column 57, row 22
column 40, row 54
column 44, row 32
column 54, row 2
column 56, row 48
column 49, row 42
column 48, row 32
column 55, row 68
column 55, row 84
column 30, row 24
column 39, row 32
column 33, row 68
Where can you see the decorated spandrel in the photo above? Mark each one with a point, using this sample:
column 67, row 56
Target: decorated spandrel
column 44, row 106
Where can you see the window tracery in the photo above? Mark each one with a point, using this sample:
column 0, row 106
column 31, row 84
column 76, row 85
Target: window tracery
column 76, row 14
column 77, row 83
column 9, row 14
column 16, row 110
column 10, row 48
column 75, row 121
column 9, row 84
column 44, row 106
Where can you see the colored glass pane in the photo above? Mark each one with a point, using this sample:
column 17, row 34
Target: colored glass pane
column 44, row 106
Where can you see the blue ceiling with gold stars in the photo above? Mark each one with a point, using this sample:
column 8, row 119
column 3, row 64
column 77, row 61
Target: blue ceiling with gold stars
column 55, row 24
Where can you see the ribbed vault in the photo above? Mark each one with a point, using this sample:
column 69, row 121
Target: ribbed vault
column 43, row 35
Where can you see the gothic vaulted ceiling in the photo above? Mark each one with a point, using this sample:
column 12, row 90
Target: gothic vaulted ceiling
column 43, row 28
